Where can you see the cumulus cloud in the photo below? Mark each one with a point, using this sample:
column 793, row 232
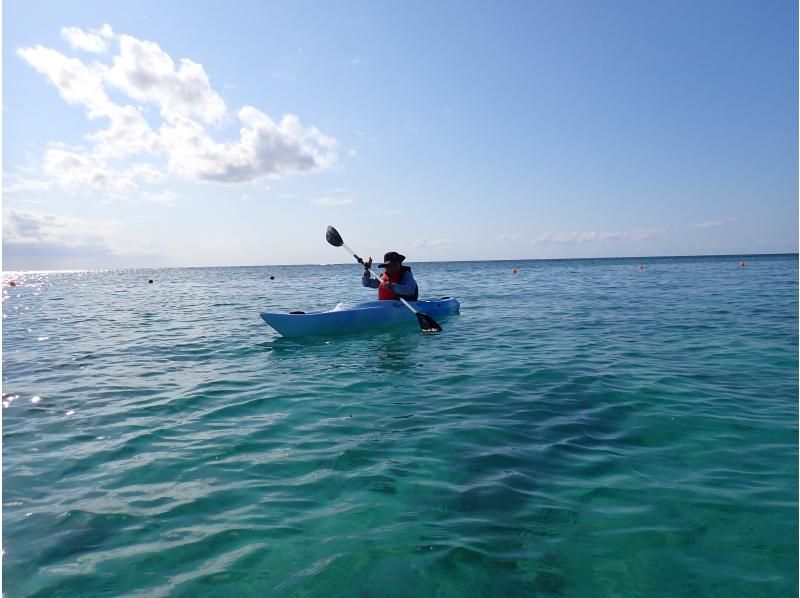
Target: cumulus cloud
column 144, row 72
column 186, row 104
column 76, row 171
column 76, row 82
column 94, row 40
column 265, row 148
column 714, row 223
column 145, row 172
column 578, row 237
column 128, row 133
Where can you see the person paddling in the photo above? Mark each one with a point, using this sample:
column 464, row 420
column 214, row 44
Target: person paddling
column 396, row 282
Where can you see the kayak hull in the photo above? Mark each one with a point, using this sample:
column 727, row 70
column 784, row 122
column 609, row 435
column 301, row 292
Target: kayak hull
column 354, row 317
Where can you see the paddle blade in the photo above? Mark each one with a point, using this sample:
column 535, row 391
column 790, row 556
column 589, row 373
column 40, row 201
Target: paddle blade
column 427, row 323
column 333, row 237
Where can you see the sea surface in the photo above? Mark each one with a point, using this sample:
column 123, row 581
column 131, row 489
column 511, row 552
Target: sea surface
column 582, row 428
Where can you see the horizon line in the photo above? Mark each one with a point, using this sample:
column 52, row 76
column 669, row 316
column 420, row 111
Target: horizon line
column 527, row 259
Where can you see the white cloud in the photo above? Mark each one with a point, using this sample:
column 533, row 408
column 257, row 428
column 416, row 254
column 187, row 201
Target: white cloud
column 128, row 133
column 163, row 197
column 187, row 104
column 41, row 240
column 22, row 227
column 146, row 172
column 89, row 41
column 507, row 237
column 430, row 243
column 146, row 73
column 332, row 200
column 76, row 171
column 714, row 223
column 17, row 184
column 76, row 82
column 265, row 149
column 578, row 237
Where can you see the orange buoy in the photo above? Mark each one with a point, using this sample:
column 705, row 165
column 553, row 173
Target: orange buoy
column 13, row 283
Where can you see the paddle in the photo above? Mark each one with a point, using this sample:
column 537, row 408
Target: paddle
column 426, row 323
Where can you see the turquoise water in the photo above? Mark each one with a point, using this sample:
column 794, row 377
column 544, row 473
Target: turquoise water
column 583, row 428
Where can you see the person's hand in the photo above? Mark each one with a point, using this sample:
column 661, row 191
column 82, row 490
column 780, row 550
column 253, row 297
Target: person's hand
column 368, row 264
column 386, row 284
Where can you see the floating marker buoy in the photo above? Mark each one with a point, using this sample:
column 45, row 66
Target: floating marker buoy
column 514, row 271
column 272, row 278
column 641, row 266
column 150, row 281
column 13, row 283
column 741, row 264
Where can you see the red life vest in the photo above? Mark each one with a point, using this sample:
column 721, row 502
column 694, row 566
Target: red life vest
column 386, row 294
column 389, row 295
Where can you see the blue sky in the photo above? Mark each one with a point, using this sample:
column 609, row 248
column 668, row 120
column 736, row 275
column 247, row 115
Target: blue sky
column 149, row 134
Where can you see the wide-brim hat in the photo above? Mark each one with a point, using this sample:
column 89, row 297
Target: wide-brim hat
column 392, row 256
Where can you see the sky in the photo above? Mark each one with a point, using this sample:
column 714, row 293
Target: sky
column 150, row 134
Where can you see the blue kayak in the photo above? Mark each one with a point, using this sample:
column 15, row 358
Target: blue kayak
column 352, row 317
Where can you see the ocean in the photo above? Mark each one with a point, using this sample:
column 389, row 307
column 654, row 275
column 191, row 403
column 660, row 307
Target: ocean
column 583, row 428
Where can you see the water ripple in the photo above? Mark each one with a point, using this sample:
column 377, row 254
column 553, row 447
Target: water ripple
column 582, row 428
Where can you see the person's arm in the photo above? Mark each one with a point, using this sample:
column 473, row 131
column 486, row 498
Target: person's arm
column 406, row 285
column 368, row 281
column 366, row 278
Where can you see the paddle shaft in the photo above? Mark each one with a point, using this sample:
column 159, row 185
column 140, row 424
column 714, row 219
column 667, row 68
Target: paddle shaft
column 371, row 271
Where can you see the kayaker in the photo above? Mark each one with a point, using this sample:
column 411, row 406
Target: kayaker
column 396, row 282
